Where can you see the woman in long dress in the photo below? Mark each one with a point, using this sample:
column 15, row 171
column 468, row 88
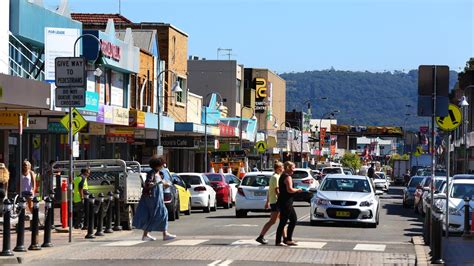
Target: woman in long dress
column 152, row 214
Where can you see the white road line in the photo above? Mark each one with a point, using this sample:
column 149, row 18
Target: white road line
column 239, row 225
column 214, row 263
column 123, row 243
column 187, row 242
column 226, row 263
column 302, row 218
column 315, row 245
column 248, row 242
column 369, row 247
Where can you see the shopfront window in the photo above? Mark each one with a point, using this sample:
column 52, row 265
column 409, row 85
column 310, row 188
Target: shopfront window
column 181, row 96
column 116, row 89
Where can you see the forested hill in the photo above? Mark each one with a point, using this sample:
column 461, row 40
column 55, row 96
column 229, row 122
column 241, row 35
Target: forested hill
column 363, row 98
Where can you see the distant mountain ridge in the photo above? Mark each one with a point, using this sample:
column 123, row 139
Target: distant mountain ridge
column 363, row 98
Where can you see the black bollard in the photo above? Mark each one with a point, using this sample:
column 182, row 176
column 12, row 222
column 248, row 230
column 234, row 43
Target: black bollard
column 85, row 205
column 34, row 226
column 117, row 226
column 467, row 228
column 90, row 224
column 47, row 226
column 20, row 227
column 52, row 197
column 436, row 242
column 100, row 216
column 108, row 218
column 7, row 208
column 426, row 227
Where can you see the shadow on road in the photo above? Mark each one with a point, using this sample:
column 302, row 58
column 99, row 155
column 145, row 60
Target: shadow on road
column 233, row 216
column 334, row 224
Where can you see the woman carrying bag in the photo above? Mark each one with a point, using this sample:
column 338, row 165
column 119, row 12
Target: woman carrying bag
column 152, row 214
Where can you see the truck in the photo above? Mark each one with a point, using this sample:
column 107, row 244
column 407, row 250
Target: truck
column 400, row 168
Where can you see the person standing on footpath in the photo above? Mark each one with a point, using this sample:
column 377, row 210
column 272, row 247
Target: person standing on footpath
column 272, row 197
column 152, row 214
column 27, row 184
column 80, row 185
column 285, row 205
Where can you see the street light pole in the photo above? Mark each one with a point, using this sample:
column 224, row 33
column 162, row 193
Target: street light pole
column 465, row 105
column 302, row 128
column 205, row 126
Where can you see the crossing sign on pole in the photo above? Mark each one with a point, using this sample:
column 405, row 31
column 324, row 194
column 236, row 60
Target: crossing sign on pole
column 78, row 121
column 452, row 121
column 261, row 146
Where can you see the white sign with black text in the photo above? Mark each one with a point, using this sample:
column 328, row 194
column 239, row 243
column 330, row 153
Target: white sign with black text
column 70, row 72
column 70, row 97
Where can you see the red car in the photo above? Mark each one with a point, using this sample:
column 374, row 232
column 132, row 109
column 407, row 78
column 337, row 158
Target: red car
column 223, row 190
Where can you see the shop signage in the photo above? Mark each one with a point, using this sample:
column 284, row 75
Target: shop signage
column 282, row 138
column 140, row 133
column 226, row 131
column 120, row 116
column 110, row 50
column 37, row 123
column 120, row 131
column 108, row 114
column 92, row 103
column 70, row 72
column 322, row 136
column 9, row 119
column 56, row 127
column 97, row 129
column 173, row 142
column 58, row 42
column 260, row 94
column 137, row 119
column 119, row 139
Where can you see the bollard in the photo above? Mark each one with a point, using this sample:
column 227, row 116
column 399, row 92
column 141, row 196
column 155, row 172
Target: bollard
column 20, row 227
column 437, row 241
column 34, row 226
column 51, row 196
column 47, row 226
column 7, row 208
column 85, row 204
column 90, row 223
column 466, row 217
column 100, row 216
column 117, row 226
column 108, row 217
column 64, row 205
column 426, row 227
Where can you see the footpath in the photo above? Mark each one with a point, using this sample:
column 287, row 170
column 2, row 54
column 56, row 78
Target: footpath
column 457, row 250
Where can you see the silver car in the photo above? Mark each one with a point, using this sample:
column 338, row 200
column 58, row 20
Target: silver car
column 345, row 198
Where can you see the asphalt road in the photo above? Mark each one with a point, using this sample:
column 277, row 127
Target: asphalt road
column 218, row 238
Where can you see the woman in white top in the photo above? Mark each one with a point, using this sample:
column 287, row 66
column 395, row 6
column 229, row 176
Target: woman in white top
column 27, row 183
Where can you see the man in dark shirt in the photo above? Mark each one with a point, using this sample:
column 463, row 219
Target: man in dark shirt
column 371, row 171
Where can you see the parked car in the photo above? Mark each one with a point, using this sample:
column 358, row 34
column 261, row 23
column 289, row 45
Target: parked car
column 184, row 194
column 342, row 198
column 409, row 191
column 381, row 182
column 348, row 171
column 425, row 201
column 170, row 196
column 252, row 193
column 302, row 178
column 233, row 182
column 223, row 190
column 331, row 170
column 202, row 194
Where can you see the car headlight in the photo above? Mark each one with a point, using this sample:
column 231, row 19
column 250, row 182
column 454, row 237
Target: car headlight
column 320, row 201
column 366, row 203
column 454, row 211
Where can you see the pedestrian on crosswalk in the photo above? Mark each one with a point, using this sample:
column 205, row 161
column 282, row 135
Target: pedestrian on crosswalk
column 272, row 197
column 152, row 214
column 285, row 205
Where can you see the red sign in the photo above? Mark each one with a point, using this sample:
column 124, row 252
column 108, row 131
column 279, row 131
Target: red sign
column 333, row 150
column 226, row 131
column 322, row 135
column 110, row 50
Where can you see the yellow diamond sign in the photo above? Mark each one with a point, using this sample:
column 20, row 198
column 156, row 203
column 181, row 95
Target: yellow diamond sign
column 78, row 121
column 261, row 146
column 452, row 121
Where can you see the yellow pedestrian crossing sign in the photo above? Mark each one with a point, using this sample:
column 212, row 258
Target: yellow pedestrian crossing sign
column 78, row 121
column 261, row 146
column 452, row 121
column 419, row 151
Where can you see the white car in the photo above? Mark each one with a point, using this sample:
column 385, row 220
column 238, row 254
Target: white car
column 426, row 197
column 252, row 193
column 332, row 171
column 202, row 194
column 345, row 198
column 302, row 178
column 458, row 190
column 233, row 182
column 381, row 182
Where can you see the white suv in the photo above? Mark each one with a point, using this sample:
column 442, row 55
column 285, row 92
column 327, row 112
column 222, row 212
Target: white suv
column 303, row 178
column 252, row 193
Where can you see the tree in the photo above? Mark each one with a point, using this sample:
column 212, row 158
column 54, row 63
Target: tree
column 351, row 160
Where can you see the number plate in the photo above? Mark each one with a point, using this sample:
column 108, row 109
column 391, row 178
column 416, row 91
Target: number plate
column 260, row 193
column 343, row 214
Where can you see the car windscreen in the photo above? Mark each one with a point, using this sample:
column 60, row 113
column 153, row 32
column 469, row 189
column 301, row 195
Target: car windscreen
column 382, row 175
column 379, row 176
column 214, row 177
column 415, row 181
column 345, row 184
column 460, row 191
column 256, row 181
column 332, row 171
column 191, row 179
column 439, row 183
column 299, row 174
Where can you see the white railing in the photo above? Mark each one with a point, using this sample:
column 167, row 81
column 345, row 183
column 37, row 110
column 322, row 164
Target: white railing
column 22, row 65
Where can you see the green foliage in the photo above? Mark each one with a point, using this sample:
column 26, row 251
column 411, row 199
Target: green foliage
column 397, row 156
column 351, row 160
column 363, row 98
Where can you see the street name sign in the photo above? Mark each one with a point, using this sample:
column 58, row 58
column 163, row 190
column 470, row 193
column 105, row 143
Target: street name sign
column 78, row 121
column 70, row 97
column 70, row 72
column 452, row 121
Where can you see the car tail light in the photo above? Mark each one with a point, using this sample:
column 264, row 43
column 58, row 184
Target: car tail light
column 167, row 196
column 307, row 181
column 241, row 192
column 199, row 189
column 219, row 186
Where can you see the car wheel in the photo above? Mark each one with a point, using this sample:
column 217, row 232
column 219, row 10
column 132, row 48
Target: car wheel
column 208, row 208
column 240, row 213
column 214, row 208
column 188, row 211
column 405, row 205
column 171, row 214
column 228, row 204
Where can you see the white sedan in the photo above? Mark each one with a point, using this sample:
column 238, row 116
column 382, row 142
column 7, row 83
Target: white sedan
column 381, row 182
column 345, row 198
column 202, row 194
column 252, row 193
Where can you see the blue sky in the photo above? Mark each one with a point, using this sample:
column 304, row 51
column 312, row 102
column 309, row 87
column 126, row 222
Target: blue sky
column 301, row 35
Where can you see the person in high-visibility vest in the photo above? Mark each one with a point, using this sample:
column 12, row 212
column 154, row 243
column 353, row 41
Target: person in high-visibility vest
column 80, row 185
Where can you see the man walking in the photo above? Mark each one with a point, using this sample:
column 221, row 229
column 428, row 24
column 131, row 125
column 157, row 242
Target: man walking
column 80, row 185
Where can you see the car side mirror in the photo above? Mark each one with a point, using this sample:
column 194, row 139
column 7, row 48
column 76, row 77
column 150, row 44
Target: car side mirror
column 378, row 192
column 426, row 189
column 188, row 185
column 313, row 190
column 440, row 196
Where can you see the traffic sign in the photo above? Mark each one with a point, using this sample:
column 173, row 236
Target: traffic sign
column 70, row 72
column 282, row 138
column 419, row 151
column 70, row 97
column 78, row 121
column 452, row 121
column 261, row 146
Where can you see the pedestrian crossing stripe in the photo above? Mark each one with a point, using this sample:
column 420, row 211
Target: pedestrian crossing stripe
column 186, row 242
column 124, row 243
column 246, row 242
column 369, row 247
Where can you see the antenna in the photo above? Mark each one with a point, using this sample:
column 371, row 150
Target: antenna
column 120, row 7
column 227, row 51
